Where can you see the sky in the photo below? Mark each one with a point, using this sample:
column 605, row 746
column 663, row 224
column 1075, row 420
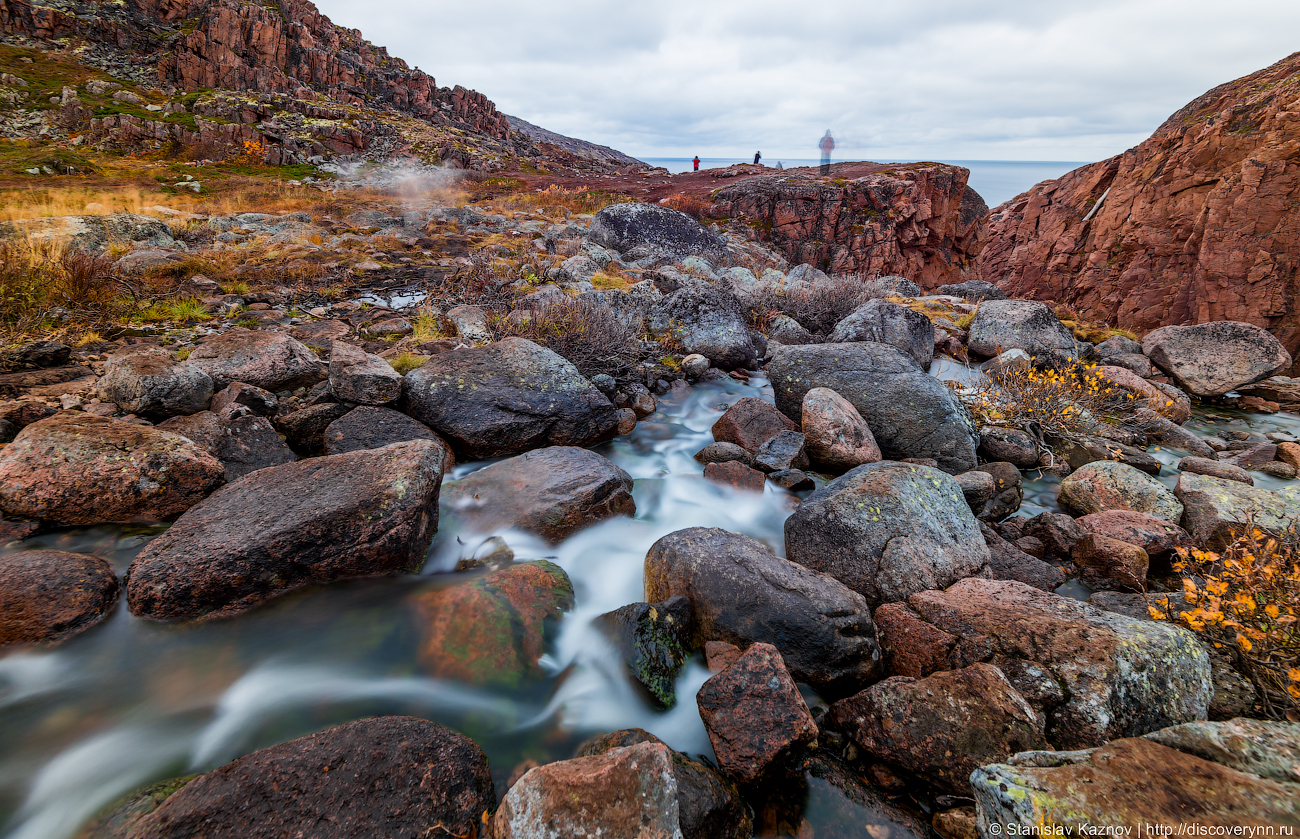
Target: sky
column 894, row 80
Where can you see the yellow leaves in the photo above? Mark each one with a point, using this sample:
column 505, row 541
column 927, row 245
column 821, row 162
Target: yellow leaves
column 1272, row 611
column 1244, row 643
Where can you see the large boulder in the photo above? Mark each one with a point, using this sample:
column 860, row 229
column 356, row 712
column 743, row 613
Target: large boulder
column 284, row 527
column 76, row 468
column 1214, row 508
column 661, row 230
column 508, row 397
column 1001, row 325
column 1213, row 358
column 889, row 323
column 494, row 629
column 47, row 596
column 243, row 444
column 1096, row 675
column 835, row 434
column 910, row 413
column 552, row 492
column 150, row 382
column 942, row 727
column 749, row 423
column 385, row 776
column 1108, row 485
column 741, row 593
column 973, row 291
column 888, row 530
column 269, row 360
column 708, row 320
column 373, row 427
column 1158, row 537
column 1008, row 562
column 362, row 378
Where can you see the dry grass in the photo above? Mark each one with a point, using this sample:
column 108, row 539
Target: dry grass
column 817, row 308
column 40, row 276
column 692, row 205
column 1084, row 331
column 547, row 201
column 590, row 335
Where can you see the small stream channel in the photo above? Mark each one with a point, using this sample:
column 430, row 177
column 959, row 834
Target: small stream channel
column 131, row 702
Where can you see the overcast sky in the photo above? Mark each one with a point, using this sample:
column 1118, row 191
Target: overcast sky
column 1075, row 80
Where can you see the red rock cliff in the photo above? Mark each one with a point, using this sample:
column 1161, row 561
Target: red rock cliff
column 919, row 221
column 1199, row 223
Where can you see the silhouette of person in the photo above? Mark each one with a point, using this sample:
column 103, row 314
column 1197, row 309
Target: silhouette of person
column 827, row 145
column 758, row 155
column 697, row 163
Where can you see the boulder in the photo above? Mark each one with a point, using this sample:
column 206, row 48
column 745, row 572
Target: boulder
column 1128, row 782
column 284, row 527
column 1009, row 445
column 889, row 323
column 741, row 593
column 836, row 436
column 1107, row 675
column 978, row 488
column 910, row 414
column 782, row 452
column 259, row 401
column 508, row 397
column 269, row 360
column 655, row 640
column 244, row 444
column 150, row 382
column 749, row 423
column 43, row 354
column 622, row 227
column 1057, row 531
column 1107, row 485
column 552, row 492
column 1106, row 563
column 888, row 530
column 1001, row 325
column 1156, row 536
column 48, row 596
column 943, row 727
column 305, row 428
column 708, row 320
column 384, row 776
column 1215, row 508
column 493, row 630
column 1009, row 562
column 1261, row 747
column 74, row 468
column 1009, row 491
column 357, row 376
column 1081, row 450
column 471, row 322
column 724, row 453
column 1216, row 469
column 1210, row 359
column 373, row 427
column 733, row 473
column 973, row 291
column 754, row 715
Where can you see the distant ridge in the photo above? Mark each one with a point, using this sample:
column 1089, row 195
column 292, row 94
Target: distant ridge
column 576, row 147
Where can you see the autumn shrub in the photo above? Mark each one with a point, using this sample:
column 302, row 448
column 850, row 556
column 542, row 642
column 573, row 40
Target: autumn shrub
column 816, row 306
column 692, row 205
column 590, row 334
column 1245, row 601
column 38, row 275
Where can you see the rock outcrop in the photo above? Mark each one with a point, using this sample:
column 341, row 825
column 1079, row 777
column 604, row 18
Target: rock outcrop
column 1196, row 224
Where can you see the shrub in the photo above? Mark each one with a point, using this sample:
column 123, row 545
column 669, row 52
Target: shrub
column 590, row 334
column 692, row 205
column 38, row 275
column 1245, row 601
column 817, row 308
column 405, row 362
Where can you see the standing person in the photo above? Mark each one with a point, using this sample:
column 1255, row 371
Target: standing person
column 697, row 163
column 827, row 145
column 758, row 155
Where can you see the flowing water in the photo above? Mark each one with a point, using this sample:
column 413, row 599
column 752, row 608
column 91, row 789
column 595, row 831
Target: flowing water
column 131, row 702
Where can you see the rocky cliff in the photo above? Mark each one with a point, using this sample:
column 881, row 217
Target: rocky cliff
column 920, row 221
column 1199, row 223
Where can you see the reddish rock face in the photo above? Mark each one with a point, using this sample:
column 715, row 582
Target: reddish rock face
column 1198, row 223
column 919, row 221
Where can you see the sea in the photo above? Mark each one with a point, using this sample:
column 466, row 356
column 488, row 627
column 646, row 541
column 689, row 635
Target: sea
column 995, row 180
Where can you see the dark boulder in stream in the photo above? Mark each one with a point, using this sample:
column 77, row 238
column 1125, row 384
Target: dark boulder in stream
column 48, row 596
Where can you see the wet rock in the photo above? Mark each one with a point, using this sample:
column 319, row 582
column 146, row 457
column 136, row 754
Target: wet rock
column 1278, row 469
column 655, row 639
column 973, row 291
column 389, row 328
column 305, row 428
column 552, row 492
column 1289, row 453
column 724, row 453
column 471, row 322
column 1009, row 445
column 357, row 376
column 8, row 431
column 793, row 480
column 1080, row 451
column 1167, row 401
column 1009, row 562
column 372, row 427
column 493, row 630
column 508, row 397
column 1028, row 325
column 888, row 530
column 1214, row 508
column 1057, row 531
column 1127, row 782
column 1261, row 747
column 741, row 593
column 889, row 323
column 43, row 354
column 782, row 452
column 269, row 360
column 74, row 468
column 978, row 488
column 622, row 227
column 786, row 330
column 707, row 320
column 1157, row 536
column 1216, row 469
column 385, row 776
column 148, row 381
column 1110, row 564
column 735, row 474
column 321, row 334
column 1009, row 491
column 1119, row 676
column 836, row 435
column 1254, row 457
column 754, row 714
column 284, row 527
column 750, row 422
column 910, row 414
column 1106, row 485
column 943, row 727
column 244, row 444
column 259, row 401
column 1133, row 362
column 48, row 596
column 1210, row 359
column 1008, row 361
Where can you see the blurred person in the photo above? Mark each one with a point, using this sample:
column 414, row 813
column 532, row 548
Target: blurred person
column 827, row 145
column 758, row 155
column 697, row 163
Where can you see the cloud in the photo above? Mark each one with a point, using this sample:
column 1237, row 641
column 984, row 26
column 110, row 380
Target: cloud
column 894, row 79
